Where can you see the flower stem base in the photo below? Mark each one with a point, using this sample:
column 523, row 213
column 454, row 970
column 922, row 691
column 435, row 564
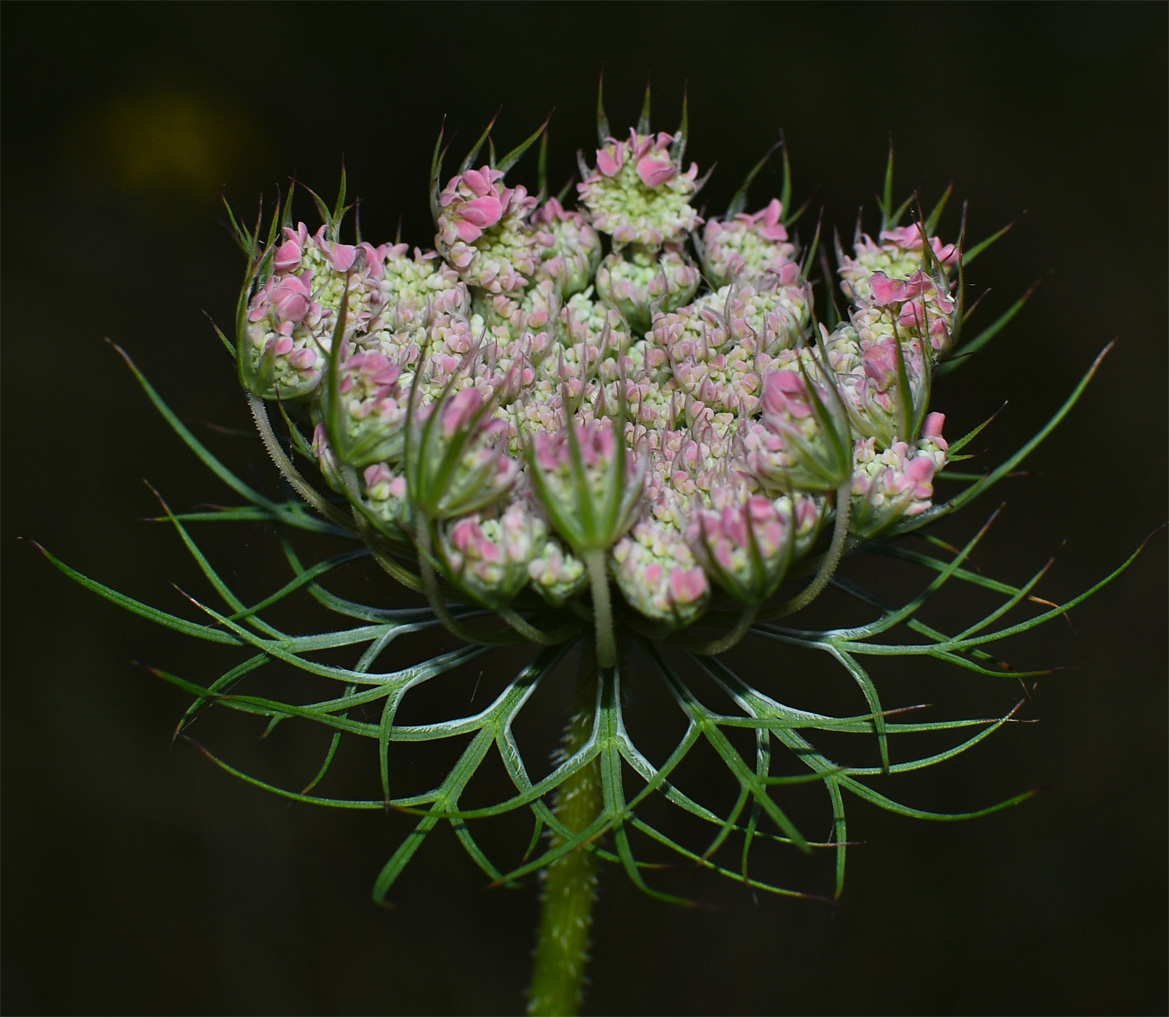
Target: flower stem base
column 562, row 940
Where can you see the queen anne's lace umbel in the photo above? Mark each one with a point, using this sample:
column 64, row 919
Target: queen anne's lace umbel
column 607, row 427
column 507, row 405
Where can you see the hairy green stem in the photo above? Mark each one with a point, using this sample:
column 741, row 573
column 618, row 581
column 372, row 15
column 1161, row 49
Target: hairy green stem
column 562, row 942
column 602, row 607
column 287, row 470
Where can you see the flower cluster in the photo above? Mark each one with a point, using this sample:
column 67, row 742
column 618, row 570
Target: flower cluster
column 504, row 407
column 606, row 426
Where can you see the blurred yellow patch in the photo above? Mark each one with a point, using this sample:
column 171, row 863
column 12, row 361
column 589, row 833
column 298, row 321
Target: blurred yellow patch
column 164, row 141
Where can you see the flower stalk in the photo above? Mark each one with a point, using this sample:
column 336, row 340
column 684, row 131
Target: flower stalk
column 570, row 881
column 606, row 640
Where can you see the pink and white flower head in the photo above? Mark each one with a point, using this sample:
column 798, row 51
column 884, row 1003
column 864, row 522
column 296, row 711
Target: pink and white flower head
column 570, row 248
column 338, row 270
column 658, row 575
column 487, row 554
column 747, row 247
column 416, row 288
column 899, row 290
column 293, row 316
column 641, row 283
column 884, row 382
column 456, row 456
column 372, row 409
column 898, row 256
column 588, row 483
column 586, row 320
column 556, row 574
column 639, row 194
column 913, row 305
column 711, row 362
column 802, row 442
column 529, row 417
column 770, row 315
column 483, row 231
column 282, row 357
column 747, row 546
column 890, row 485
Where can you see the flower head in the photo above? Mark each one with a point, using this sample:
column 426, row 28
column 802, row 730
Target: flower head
column 802, row 439
column 588, row 483
column 748, row 248
column 484, row 233
column 639, row 194
column 525, row 411
column 456, row 458
column 750, row 541
column 570, row 248
column 642, row 283
column 605, row 453
column 890, row 485
column 902, row 281
column 658, row 575
column 487, row 555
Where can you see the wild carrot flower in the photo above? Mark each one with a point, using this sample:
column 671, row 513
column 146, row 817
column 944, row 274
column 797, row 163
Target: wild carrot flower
column 556, row 427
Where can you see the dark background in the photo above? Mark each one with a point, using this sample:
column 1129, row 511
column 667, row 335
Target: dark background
column 138, row 878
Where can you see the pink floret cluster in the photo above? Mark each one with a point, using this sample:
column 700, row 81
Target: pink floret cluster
column 621, row 378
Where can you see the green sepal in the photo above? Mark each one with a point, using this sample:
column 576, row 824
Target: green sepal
column 603, row 132
column 885, row 201
column 436, row 173
column 931, row 221
column 332, row 218
column 291, row 514
column 469, row 161
column 643, row 117
column 992, row 478
column 512, row 157
column 432, row 463
column 738, row 201
column 982, row 245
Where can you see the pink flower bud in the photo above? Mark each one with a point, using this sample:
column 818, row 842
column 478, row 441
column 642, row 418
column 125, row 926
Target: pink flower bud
column 688, row 585
column 480, row 181
column 884, row 289
column 767, row 223
column 654, row 171
column 932, row 430
column 478, row 215
column 785, row 395
column 909, row 238
column 287, row 256
column 340, row 256
column 292, row 298
column 610, row 159
column 289, row 253
column 460, row 411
